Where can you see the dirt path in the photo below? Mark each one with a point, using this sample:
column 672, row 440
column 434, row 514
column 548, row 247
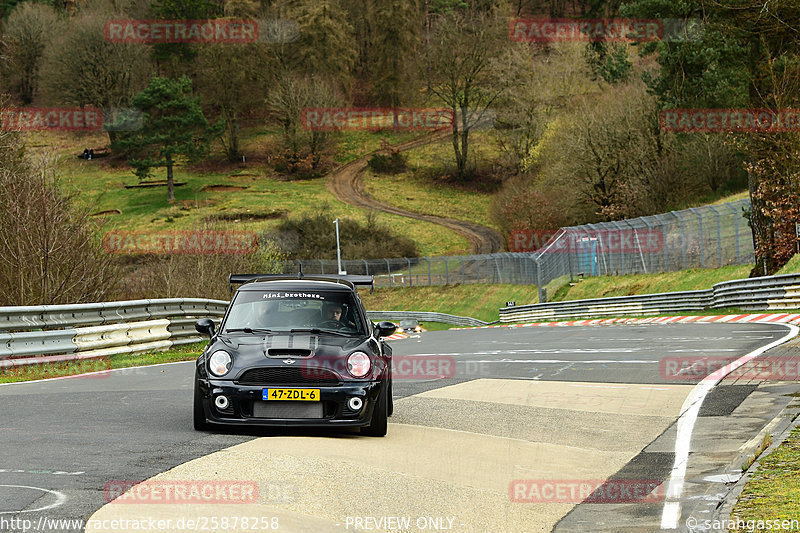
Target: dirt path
column 345, row 183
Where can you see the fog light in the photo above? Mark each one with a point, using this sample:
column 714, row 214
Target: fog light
column 221, row 402
column 355, row 403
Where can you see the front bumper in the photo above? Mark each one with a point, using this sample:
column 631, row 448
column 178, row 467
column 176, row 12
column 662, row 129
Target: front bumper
column 335, row 412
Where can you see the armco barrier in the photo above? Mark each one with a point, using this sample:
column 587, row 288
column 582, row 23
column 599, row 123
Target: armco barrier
column 425, row 316
column 754, row 294
column 86, row 331
column 111, row 328
column 644, row 304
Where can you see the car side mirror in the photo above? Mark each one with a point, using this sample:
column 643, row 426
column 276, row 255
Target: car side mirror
column 385, row 328
column 205, row 325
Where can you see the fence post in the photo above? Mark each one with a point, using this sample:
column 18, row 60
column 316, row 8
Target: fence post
column 702, row 246
column 389, row 270
column 683, row 237
column 430, row 281
column 736, row 230
column 321, row 267
column 410, row 283
column 366, row 267
column 542, row 293
column 719, row 234
column 664, row 239
column 446, row 273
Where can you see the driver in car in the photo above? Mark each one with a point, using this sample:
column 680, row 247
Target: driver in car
column 333, row 312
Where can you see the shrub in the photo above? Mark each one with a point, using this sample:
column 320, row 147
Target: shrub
column 391, row 163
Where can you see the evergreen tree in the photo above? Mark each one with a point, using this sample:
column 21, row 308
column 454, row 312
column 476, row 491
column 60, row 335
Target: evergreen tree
column 173, row 129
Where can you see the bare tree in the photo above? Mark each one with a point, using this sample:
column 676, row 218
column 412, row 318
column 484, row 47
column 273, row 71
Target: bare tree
column 50, row 251
column 462, row 55
column 26, row 33
column 85, row 69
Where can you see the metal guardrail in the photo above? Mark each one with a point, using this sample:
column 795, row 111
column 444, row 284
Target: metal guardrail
column 113, row 328
column 758, row 294
column 754, row 294
column 88, row 331
column 619, row 305
column 425, row 316
column 98, row 314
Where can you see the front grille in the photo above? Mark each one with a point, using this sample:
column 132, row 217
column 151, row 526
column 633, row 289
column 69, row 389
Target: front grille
column 287, row 410
column 321, row 377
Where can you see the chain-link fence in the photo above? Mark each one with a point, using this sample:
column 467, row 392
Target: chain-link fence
column 514, row 268
column 701, row 237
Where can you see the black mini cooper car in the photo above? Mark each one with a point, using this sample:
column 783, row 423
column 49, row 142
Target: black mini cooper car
column 295, row 351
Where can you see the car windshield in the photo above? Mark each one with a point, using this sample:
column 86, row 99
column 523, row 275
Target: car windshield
column 284, row 311
column 408, row 323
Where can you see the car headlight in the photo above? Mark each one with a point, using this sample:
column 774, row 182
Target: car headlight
column 220, row 363
column 358, row 364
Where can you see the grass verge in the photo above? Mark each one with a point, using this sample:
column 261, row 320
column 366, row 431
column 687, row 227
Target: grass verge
column 684, row 280
column 773, row 493
column 481, row 301
column 72, row 368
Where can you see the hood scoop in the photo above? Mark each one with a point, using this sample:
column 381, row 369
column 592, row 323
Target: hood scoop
column 282, row 353
column 291, row 346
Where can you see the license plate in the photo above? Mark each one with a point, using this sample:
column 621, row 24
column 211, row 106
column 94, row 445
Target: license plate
column 305, row 395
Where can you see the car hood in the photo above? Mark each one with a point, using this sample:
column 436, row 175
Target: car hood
column 301, row 349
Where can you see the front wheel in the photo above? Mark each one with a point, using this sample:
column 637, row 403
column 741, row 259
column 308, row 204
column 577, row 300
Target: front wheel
column 200, row 422
column 380, row 415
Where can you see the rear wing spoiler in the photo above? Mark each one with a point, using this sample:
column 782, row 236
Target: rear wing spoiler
column 346, row 279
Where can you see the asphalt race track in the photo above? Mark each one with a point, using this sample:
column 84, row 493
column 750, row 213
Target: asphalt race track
column 485, row 419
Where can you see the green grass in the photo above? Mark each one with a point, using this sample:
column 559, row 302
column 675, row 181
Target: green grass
column 100, row 184
column 410, row 191
column 71, row 368
column 479, row 301
column 792, row 267
column 774, row 490
column 685, row 280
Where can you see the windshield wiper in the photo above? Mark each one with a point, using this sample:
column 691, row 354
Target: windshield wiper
column 317, row 331
column 249, row 330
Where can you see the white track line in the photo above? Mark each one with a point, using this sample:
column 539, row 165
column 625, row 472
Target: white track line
column 689, row 412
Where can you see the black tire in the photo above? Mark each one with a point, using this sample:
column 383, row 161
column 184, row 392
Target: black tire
column 200, row 422
column 379, row 422
column 391, row 398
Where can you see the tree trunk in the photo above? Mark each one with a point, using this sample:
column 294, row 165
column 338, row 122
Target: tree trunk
column 170, row 182
column 233, row 138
